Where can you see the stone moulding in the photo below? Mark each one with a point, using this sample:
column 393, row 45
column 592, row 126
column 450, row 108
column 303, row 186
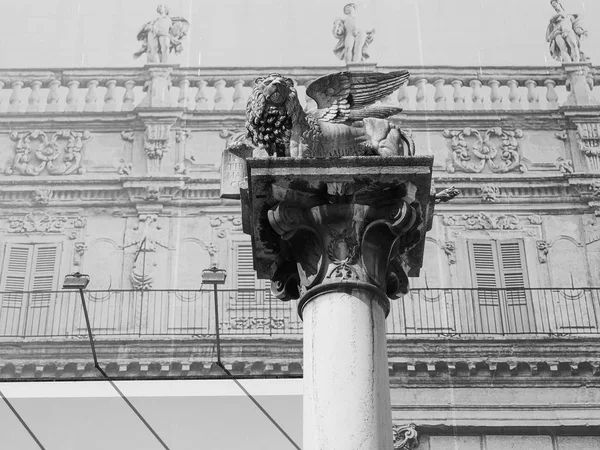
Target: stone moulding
column 338, row 220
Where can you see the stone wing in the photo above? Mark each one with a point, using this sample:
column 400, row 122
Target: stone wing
column 339, row 95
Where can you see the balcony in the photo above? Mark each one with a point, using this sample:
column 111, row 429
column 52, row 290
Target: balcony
column 189, row 314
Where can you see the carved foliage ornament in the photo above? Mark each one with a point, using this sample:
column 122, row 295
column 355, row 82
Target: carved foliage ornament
column 156, row 142
column 42, row 222
column 496, row 149
column 588, row 138
column 36, row 152
column 405, row 437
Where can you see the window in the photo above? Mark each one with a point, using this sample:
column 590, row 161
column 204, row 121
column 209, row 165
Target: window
column 26, row 267
column 499, row 274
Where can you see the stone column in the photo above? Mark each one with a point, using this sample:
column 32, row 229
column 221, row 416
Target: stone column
column 341, row 235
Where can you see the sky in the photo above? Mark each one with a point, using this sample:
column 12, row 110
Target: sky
column 233, row 33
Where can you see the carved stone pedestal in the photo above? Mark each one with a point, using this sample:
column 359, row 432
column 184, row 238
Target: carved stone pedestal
column 580, row 84
column 342, row 235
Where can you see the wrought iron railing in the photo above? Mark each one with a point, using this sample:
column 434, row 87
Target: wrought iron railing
column 189, row 314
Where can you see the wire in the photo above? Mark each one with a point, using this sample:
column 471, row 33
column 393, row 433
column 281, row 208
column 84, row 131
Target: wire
column 104, row 374
column 220, row 364
column 22, row 421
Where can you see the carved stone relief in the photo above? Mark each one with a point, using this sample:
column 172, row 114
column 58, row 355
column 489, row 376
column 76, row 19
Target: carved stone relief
column 492, row 222
column 37, row 153
column 543, row 247
column 145, row 238
column 226, row 224
column 495, row 149
column 125, row 167
column 42, row 196
column 564, row 165
column 405, row 437
column 591, row 227
column 42, row 222
column 588, row 138
column 80, row 249
column 450, row 250
column 489, row 193
column 181, row 137
column 157, row 140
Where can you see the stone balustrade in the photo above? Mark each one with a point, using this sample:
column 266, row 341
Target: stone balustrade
column 97, row 90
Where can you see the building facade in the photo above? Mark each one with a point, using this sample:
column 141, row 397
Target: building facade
column 117, row 173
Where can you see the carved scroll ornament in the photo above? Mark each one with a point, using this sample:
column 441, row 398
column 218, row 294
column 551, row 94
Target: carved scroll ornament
column 496, row 149
column 405, row 437
column 35, row 153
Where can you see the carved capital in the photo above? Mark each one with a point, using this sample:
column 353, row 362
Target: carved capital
column 360, row 222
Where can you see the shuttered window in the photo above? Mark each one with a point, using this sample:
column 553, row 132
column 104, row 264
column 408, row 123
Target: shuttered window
column 26, row 267
column 500, row 265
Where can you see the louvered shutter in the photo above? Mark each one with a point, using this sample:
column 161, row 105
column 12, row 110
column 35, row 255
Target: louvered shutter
column 245, row 274
column 43, row 274
column 485, row 270
column 15, row 277
column 514, row 276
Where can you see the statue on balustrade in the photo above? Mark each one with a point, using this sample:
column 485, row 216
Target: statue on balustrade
column 564, row 35
column 353, row 40
column 345, row 123
column 162, row 36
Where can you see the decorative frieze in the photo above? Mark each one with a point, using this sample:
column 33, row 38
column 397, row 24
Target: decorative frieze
column 42, row 222
column 36, row 153
column 481, row 221
column 496, row 150
column 262, row 323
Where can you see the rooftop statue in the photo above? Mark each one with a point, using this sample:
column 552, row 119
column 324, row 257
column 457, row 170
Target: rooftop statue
column 564, row 35
column 345, row 122
column 162, row 36
column 353, row 40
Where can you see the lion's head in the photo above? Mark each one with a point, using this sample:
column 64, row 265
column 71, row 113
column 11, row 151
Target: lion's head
column 273, row 110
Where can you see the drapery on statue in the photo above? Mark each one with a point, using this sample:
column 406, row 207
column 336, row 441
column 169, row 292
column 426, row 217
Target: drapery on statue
column 162, row 36
column 345, row 123
column 353, row 40
column 564, row 35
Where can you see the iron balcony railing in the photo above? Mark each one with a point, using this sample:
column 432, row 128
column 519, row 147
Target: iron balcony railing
column 188, row 313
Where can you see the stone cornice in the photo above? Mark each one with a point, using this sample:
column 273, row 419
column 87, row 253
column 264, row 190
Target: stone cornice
column 412, row 362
